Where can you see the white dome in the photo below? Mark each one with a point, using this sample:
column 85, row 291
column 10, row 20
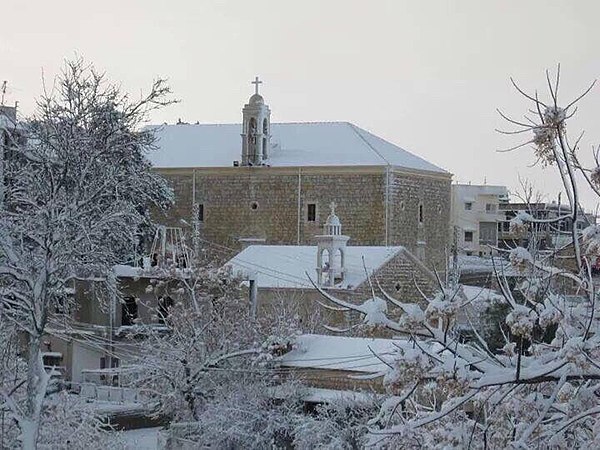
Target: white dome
column 256, row 99
column 333, row 220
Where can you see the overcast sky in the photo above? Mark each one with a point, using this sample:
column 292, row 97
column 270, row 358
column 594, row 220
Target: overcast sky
column 426, row 75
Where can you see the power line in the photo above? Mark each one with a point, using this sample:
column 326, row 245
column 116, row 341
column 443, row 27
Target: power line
column 99, row 342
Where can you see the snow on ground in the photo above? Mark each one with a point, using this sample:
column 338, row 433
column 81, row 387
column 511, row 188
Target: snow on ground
column 142, row 439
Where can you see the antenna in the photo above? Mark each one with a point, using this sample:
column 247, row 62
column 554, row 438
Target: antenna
column 3, row 90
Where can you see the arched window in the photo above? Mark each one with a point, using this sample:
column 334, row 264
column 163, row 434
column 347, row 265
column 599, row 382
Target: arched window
column 325, row 266
column 336, row 265
column 252, row 132
column 325, row 263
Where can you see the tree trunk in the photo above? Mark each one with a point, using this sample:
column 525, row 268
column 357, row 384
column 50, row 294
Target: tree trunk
column 37, row 382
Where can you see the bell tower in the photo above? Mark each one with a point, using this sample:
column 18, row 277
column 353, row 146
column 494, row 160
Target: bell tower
column 331, row 251
column 256, row 129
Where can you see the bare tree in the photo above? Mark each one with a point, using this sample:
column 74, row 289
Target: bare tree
column 542, row 387
column 209, row 337
column 77, row 192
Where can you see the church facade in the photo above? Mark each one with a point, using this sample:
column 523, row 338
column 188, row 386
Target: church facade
column 272, row 183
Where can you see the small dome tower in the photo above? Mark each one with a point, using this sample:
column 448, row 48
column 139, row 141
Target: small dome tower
column 331, row 251
column 256, row 129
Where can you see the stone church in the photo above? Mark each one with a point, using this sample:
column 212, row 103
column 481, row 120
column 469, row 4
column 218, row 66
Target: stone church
column 272, row 183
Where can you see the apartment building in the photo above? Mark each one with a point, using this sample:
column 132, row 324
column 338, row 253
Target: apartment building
column 554, row 232
column 475, row 215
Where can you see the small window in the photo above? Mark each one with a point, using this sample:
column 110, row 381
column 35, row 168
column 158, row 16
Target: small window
column 201, row 212
column 420, row 214
column 129, row 311
column 490, row 208
column 64, row 302
column 421, row 250
column 311, row 212
column 468, row 206
column 103, row 363
column 468, row 236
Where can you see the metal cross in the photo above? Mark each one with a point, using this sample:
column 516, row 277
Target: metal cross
column 332, row 205
column 256, row 82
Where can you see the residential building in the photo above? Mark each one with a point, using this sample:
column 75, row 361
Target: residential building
column 100, row 330
column 475, row 217
column 555, row 232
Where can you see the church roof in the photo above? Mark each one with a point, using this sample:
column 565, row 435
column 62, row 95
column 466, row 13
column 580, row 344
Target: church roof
column 286, row 266
column 292, row 145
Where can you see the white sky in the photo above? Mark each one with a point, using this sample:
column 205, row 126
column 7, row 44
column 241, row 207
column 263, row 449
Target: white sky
column 426, row 75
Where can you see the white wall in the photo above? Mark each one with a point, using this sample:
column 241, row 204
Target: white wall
column 468, row 220
column 84, row 357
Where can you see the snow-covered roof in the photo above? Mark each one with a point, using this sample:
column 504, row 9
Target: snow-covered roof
column 473, row 190
column 341, row 353
column 292, row 145
column 121, row 270
column 124, row 271
column 472, row 264
column 285, row 266
column 481, row 294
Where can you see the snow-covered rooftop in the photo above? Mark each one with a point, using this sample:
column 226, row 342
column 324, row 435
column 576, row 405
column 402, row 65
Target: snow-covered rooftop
column 472, row 264
column 285, row 266
column 479, row 189
column 121, row 270
column 292, row 144
column 341, row 353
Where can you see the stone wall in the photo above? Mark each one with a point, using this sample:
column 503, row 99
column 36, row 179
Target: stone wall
column 400, row 279
column 409, row 190
column 343, row 380
column 269, row 203
column 377, row 205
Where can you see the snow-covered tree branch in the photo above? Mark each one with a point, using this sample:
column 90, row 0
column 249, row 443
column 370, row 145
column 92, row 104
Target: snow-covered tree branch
column 78, row 191
column 542, row 387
